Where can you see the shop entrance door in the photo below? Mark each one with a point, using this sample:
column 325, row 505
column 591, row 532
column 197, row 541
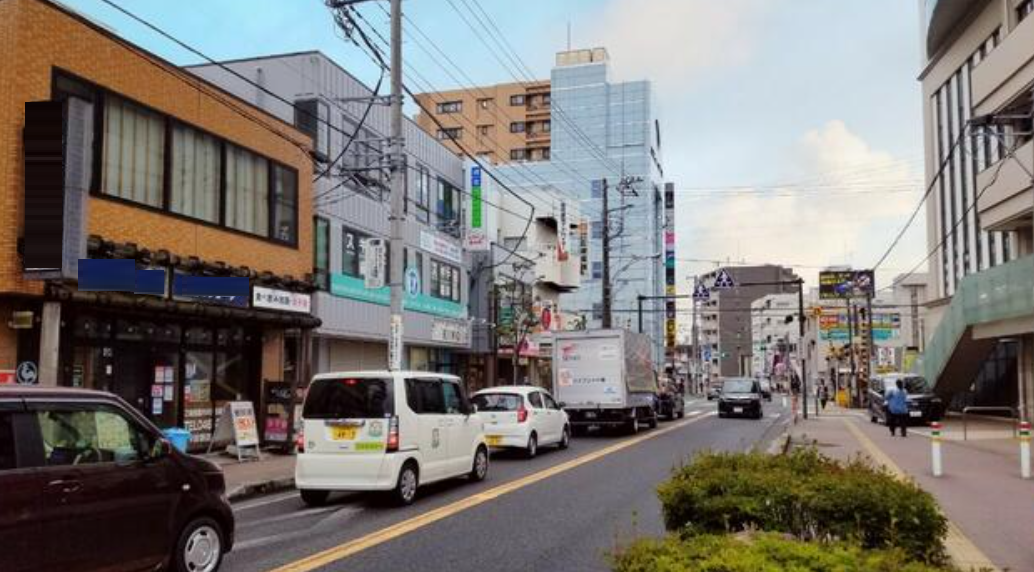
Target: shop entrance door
column 129, row 379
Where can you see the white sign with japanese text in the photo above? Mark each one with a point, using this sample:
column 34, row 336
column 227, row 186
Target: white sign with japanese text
column 282, row 300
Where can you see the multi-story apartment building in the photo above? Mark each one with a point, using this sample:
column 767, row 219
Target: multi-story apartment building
column 775, row 334
column 351, row 204
column 725, row 330
column 110, row 152
column 499, row 123
column 978, row 80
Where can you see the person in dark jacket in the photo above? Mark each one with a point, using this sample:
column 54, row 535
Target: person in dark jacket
column 897, row 409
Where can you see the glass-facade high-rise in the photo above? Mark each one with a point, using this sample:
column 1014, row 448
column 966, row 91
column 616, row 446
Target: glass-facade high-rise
column 606, row 130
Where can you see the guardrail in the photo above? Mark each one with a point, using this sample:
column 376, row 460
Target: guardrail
column 988, row 408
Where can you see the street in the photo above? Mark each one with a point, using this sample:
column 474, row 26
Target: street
column 566, row 521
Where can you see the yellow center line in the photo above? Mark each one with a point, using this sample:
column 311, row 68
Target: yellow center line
column 962, row 550
column 383, row 535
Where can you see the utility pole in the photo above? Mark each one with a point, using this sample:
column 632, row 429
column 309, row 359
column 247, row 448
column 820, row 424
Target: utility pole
column 800, row 345
column 607, row 324
column 398, row 192
column 853, row 381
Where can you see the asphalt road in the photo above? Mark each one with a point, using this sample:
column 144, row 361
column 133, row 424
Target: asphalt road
column 564, row 510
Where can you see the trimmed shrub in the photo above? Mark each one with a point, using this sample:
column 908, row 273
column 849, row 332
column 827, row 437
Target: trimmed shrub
column 808, row 496
column 763, row 552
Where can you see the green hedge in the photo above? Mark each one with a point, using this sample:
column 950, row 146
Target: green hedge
column 806, row 495
column 763, row 552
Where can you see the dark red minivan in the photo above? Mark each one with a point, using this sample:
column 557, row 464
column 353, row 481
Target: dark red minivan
column 87, row 483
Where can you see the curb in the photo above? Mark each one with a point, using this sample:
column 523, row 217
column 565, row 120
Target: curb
column 249, row 490
column 780, row 444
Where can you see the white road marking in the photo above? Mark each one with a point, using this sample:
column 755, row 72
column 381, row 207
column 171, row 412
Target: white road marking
column 266, row 501
column 287, row 516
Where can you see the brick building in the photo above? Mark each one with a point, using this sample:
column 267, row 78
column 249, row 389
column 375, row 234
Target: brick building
column 168, row 170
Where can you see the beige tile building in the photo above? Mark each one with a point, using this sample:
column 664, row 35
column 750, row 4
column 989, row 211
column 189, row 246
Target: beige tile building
column 501, row 123
column 978, row 80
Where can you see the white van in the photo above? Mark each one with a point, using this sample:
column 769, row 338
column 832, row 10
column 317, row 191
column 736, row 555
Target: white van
column 387, row 431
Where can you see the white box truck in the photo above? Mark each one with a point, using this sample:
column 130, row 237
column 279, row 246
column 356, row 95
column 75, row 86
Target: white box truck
column 605, row 378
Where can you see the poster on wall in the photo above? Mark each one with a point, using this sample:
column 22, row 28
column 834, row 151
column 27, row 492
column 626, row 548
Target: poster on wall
column 476, row 238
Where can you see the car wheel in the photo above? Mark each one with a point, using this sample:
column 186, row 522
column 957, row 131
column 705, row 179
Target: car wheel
column 721, row 415
column 200, row 546
column 408, row 481
column 480, row 469
column 314, row 497
column 533, row 446
column 873, row 418
column 652, row 423
column 565, row 438
column 682, row 413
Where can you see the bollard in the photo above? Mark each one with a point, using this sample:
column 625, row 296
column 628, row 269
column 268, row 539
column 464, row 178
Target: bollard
column 935, row 445
column 1025, row 449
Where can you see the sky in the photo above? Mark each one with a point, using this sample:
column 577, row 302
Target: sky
column 792, row 128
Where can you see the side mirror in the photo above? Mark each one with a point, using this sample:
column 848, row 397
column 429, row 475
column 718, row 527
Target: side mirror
column 561, row 405
column 162, row 448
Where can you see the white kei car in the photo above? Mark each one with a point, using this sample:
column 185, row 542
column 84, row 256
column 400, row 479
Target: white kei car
column 522, row 417
column 387, row 431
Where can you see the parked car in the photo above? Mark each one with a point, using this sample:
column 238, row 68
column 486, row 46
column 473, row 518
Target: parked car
column 714, row 391
column 522, row 417
column 766, row 389
column 387, row 431
column 740, row 396
column 90, row 484
column 671, row 404
column 923, row 405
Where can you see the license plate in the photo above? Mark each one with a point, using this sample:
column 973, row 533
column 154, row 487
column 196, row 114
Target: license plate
column 915, row 413
column 590, row 414
column 343, row 433
column 493, row 440
column 737, row 410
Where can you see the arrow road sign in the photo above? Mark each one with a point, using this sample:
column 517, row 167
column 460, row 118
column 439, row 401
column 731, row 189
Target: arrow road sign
column 723, row 281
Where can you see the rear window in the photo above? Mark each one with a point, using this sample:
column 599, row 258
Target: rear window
column 738, row 386
column 497, row 402
column 349, row 398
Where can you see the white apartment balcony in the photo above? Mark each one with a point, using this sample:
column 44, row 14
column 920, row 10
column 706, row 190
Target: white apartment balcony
column 564, row 276
column 1007, row 72
column 1007, row 204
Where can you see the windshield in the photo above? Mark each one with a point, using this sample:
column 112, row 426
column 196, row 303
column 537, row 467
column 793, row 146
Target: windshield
column 348, row 398
column 913, row 384
column 738, row 386
column 497, row 401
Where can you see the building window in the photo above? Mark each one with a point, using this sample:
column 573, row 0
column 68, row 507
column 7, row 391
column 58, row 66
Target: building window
column 518, row 154
column 285, row 204
column 448, row 208
column 196, row 169
column 547, row 126
column 450, row 133
column 517, row 100
column 445, row 281
column 484, row 102
column 321, row 252
column 307, row 118
column 483, row 130
column 517, row 127
column 545, row 154
column 597, row 310
column 134, row 152
column 247, row 191
column 450, row 107
column 353, row 252
column 423, row 193
column 597, row 270
column 546, row 99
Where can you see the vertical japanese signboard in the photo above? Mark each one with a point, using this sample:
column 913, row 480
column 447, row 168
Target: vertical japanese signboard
column 670, row 327
column 477, row 235
column 563, row 232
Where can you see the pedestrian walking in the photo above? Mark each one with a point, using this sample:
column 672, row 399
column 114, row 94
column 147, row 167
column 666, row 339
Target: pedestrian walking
column 897, row 409
column 824, row 396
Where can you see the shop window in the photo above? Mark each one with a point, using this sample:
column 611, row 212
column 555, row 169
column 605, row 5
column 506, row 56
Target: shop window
column 231, row 377
column 134, row 152
column 247, row 191
column 229, row 337
column 197, row 379
column 353, row 252
column 7, row 452
column 445, row 281
column 196, row 168
column 198, row 336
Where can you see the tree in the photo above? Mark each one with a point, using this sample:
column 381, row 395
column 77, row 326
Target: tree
column 517, row 318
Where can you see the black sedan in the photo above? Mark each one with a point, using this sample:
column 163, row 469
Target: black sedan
column 740, row 397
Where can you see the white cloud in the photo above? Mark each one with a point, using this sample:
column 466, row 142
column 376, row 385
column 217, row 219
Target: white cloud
column 673, row 42
column 827, row 217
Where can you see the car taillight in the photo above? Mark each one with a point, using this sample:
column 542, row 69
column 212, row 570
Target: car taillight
column 393, row 435
column 299, row 441
column 522, row 415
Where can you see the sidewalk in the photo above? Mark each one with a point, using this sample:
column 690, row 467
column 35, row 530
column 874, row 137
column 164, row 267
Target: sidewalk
column 981, row 492
column 275, row 472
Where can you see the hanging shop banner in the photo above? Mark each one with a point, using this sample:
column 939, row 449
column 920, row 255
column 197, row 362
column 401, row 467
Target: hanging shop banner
column 476, row 238
column 282, row 300
column 670, row 324
column 450, row 332
column 846, row 284
column 833, row 326
column 441, row 247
